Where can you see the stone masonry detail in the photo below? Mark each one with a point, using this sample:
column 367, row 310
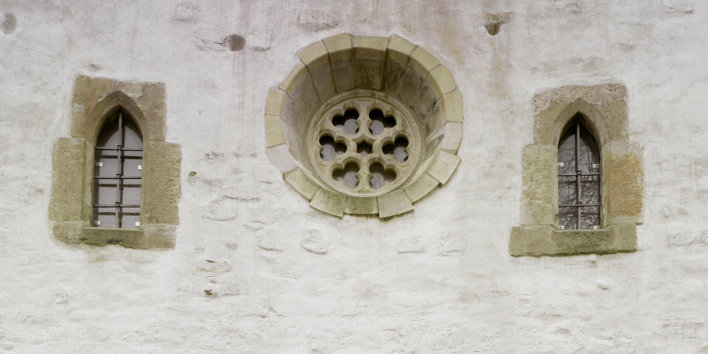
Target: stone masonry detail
column 365, row 125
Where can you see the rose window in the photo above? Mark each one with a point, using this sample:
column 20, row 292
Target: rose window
column 360, row 145
column 365, row 125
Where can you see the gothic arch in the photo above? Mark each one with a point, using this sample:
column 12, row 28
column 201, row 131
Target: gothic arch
column 104, row 108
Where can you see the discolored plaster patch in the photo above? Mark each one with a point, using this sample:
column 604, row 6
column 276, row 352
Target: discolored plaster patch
column 9, row 24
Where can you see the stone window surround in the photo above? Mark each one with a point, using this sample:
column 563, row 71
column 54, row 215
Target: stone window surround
column 346, row 62
column 70, row 208
column 604, row 109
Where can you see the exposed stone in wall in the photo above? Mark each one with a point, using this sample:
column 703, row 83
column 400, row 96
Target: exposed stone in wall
column 317, row 20
column 186, row 12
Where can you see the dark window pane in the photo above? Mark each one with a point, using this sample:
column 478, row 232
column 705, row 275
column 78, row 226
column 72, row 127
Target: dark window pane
column 590, row 190
column 567, row 190
column 589, row 155
column 566, row 153
column 568, row 218
column 590, row 217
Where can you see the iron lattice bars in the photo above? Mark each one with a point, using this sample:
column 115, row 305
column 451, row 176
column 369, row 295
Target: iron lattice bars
column 579, row 176
column 127, row 185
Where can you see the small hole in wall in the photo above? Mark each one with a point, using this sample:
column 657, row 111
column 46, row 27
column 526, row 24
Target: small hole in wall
column 234, row 43
column 492, row 27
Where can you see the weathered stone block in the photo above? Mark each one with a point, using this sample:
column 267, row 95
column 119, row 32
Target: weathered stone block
column 301, row 89
column 94, row 98
column 443, row 80
column 361, row 206
column 451, row 104
column 281, row 158
column 275, row 102
column 422, row 61
column 421, row 187
column 329, row 202
column 369, row 58
column 161, row 183
column 274, row 131
column 397, row 53
column 539, row 185
column 340, row 56
column 68, row 180
column 302, row 183
column 443, row 166
column 316, row 58
column 394, row 203
column 452, row 136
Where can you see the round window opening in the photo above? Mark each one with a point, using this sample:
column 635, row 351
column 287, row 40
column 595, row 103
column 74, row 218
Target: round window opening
column 365, row 125
column 363, row 143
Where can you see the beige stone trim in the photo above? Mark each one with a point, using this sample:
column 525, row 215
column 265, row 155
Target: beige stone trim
column 421, row 187
column 394, row 203
column 604, row 109
column 452, row 107
column 369, row 57
column 274, row 131
column 340, row 57
column 340, row 65
column 444, row 82
column 362, row 206
column 316, row 59
column 275, row 102
column 546, row 240
column 281, row 158
column 301, row 89
column 94, row 98
column 70, row 207
column 329, row 202
column 302, row 183
column 443, row 166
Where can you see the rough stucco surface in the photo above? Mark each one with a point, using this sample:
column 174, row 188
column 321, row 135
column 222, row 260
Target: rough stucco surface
column 256, row 270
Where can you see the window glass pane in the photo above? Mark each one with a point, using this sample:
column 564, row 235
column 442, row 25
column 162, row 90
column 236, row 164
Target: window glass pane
column 567, row 190
column 106, row 163
column 132, row 166
column 129, row 217
column 105, row 217
column 589, row 155
column 131, row 193
column 568, row 218
column 590, row 190
column 566, row 152
column 590, row 217
column 110, row 137
column 131, row 139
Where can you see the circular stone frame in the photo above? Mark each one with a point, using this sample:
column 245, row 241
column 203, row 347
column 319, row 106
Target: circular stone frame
column 340, row 81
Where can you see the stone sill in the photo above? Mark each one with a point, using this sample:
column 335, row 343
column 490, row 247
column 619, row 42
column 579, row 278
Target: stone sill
column 547, row 240
column 130, row 238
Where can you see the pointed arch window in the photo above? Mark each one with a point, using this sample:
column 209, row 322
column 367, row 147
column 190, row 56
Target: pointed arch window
column 118, row 173
column 579, row 204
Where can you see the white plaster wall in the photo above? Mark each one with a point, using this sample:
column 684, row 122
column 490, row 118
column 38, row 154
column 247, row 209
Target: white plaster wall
column 287, row 279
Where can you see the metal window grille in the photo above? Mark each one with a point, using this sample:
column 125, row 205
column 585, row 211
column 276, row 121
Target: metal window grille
column 579, row 205
column 118, row 174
